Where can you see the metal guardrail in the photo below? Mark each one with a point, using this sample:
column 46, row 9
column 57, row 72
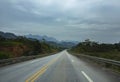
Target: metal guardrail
column 20, row 59
column 101, row 60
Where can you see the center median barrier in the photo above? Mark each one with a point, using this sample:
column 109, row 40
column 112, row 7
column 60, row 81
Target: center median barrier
column 9, row 61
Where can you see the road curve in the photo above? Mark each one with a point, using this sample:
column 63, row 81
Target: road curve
column 61, row 67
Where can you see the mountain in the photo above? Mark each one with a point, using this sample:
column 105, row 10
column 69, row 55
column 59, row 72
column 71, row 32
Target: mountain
column 40, row 38
column 8, row 35
column 16, row 46
column 68, row 44
column 50, row 40
column 53, row 41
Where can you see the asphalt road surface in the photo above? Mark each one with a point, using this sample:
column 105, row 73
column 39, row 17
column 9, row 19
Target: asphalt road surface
column 61, row 67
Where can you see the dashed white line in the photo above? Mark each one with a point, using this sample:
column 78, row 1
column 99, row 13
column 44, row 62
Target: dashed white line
column 87, row 77
column 72, row 60
column 34, row 61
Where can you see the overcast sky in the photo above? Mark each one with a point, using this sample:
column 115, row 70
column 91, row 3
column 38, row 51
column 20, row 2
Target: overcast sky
column 98, row 20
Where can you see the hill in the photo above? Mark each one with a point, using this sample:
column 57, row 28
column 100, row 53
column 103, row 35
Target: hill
column 17, row 46
column 110, row 51
column 8, row 35
column 40, row 38
column 53, row 41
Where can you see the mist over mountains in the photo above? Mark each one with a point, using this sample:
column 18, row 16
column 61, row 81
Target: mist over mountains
column 53, row 41
column 40, row 38
column 8, row 35
column 50, row 40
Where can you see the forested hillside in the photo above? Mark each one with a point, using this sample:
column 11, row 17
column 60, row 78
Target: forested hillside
column 21, row 46
column 110, row 51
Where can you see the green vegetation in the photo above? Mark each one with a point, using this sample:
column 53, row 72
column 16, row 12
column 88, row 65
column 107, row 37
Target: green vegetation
column 10, row 43
column 21, row 46
column 110, row 51
column 4, row 55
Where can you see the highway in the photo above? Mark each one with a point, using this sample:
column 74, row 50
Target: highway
column 60, row 67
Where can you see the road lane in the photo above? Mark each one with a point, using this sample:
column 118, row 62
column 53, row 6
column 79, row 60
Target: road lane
column 61, row 71
column 61, row 67
column 21, row 71
column 94, row 72
column 42, row 70
column 68, row 68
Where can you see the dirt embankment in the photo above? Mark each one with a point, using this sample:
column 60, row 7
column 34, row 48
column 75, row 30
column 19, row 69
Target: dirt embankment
column 15, row 51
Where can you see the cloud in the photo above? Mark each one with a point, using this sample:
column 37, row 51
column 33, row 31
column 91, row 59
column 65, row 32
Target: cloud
column 95, row 19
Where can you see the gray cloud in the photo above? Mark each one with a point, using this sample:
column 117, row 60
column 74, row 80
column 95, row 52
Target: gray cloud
column 64, row 19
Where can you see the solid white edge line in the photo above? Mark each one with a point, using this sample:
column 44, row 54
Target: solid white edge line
column 88, row 78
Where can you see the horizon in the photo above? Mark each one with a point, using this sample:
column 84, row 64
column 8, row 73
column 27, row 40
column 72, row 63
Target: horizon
column 72, row 20
column 60, row 40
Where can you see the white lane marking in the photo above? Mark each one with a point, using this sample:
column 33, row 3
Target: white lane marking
column 88, row 78
column 72, row 60
column 34, row 61
column 69, row 57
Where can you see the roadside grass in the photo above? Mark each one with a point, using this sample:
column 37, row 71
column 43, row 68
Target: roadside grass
column 5, row 55
column 114, row 55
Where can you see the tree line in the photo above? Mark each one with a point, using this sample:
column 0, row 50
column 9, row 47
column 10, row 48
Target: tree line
column 111, row 51
column 22, row 46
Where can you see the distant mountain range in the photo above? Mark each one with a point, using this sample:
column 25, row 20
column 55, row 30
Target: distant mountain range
column 50, row 40
column 67, row 44
column 53, row 41
column 8, row 35
column 40, row 38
